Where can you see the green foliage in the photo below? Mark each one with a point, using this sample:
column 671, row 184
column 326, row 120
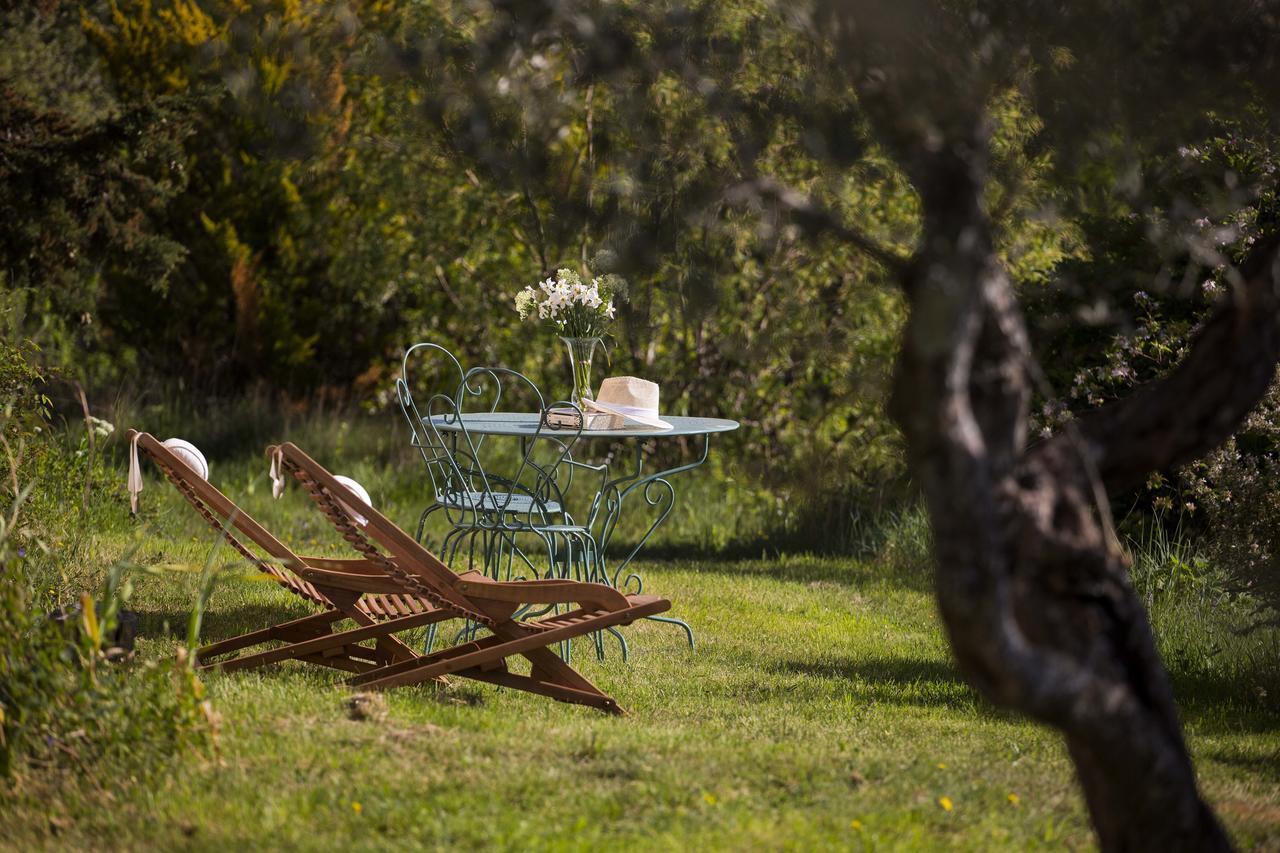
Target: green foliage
column 340, row 203
column 22, row 385
column 86, row 177
column 1213, row 198
column 64, row 706
column 311, row 187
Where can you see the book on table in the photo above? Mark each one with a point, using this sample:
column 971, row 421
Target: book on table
column 567, row 418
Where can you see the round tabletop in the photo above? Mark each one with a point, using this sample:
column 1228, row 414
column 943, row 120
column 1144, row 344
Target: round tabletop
column 526, row 424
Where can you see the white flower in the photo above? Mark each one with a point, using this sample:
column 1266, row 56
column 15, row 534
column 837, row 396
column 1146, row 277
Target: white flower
column 526, row 302
column 101, row 428
column 609, row 310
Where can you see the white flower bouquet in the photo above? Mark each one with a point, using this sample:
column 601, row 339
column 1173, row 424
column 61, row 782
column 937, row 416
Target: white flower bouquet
column 575, row 308
column 582, row 315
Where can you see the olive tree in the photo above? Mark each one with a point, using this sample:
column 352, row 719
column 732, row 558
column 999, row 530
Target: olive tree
column 1031, row 580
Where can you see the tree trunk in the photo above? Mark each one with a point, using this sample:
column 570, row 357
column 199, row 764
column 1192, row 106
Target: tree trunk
column 1031, row 583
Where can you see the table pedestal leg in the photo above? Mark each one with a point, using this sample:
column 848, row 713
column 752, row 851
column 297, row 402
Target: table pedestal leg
column 658, row 493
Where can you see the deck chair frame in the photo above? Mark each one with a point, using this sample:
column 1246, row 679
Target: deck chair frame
column 345, row 590
column 475, row 597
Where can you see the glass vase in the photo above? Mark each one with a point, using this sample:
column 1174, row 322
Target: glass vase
column 581, row 351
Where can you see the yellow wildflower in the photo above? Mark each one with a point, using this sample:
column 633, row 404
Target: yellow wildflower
column 946, row 803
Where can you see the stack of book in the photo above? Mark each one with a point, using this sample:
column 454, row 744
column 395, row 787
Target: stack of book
column 565, row 418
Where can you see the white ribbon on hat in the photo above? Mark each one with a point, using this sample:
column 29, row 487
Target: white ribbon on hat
column 625, row 411
column 277, row 477
column 135, row 474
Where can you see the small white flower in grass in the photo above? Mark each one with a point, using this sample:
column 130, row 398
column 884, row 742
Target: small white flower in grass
column 101, row 428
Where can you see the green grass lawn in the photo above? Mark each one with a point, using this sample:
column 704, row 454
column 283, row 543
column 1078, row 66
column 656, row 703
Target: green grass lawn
column 820, row 709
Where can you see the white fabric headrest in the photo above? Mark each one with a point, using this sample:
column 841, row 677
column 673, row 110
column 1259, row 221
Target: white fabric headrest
column 190, row 456
column 360, row 492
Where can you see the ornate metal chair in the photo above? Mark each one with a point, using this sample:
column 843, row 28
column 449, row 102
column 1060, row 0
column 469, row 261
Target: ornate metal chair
column 501, row 508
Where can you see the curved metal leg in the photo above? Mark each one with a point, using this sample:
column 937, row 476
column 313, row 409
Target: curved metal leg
column 422, row 521
column 622, row 641
column 683, row 624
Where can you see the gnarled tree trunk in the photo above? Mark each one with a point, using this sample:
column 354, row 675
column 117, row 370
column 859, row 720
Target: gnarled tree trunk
column 1032, row 585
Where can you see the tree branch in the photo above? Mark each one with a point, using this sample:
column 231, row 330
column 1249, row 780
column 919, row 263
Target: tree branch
column 813, row 218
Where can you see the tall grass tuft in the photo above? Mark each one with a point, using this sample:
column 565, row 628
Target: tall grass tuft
column 65, row 706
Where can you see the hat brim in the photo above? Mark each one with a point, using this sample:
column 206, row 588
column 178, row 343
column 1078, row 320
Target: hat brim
column 648, row 420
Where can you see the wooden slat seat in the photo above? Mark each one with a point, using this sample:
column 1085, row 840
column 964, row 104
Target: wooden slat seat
column 476, row 598
column 354, row 590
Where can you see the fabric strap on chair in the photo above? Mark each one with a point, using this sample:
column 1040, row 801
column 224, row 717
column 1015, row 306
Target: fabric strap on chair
column 135, row 474
column 277, row 476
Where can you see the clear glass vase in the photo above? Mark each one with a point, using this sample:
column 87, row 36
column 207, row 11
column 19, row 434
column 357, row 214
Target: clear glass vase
column 581, row 351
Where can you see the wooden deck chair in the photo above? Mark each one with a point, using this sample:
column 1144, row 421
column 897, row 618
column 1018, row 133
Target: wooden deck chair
column 476, row 597
column 345, row 589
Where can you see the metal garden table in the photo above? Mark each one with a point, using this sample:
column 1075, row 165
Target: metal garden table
column 654, row 487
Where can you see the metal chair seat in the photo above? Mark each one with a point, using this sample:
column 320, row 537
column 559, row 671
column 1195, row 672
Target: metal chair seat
column 516, row 504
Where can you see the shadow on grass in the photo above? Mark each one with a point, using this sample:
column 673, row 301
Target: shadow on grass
column 892, row 680
column 217, row 623
column 802, row 568
column 1222, row 703
column 1211, row 704
column 1264, row 766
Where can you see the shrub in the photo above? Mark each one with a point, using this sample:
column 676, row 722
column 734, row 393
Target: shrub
column 62, row 703
column 1234, row 491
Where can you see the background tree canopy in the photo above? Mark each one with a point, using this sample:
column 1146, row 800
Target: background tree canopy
column 283, row 194
column 209, row 195
column 312, row 187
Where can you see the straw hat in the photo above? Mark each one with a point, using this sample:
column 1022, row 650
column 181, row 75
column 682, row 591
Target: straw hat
column 630, row 398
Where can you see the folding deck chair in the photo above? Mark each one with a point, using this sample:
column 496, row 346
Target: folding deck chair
column 358, row 590
column 476, row 597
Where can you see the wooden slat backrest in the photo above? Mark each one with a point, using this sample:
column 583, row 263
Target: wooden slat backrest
column 219, row 503
column 433, row 578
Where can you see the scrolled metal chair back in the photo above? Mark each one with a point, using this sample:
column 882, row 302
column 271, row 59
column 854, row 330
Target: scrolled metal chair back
column 528, row 493
column 437, row 377
column 435, row 392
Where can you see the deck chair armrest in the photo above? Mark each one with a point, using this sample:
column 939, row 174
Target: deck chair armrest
column 353, row 581
column 355, row 567
column 549, row 591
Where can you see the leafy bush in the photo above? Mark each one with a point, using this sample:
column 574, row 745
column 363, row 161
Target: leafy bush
column 1234, row 491
column 22, row 383
column 1141, row 329
column 63, row 705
